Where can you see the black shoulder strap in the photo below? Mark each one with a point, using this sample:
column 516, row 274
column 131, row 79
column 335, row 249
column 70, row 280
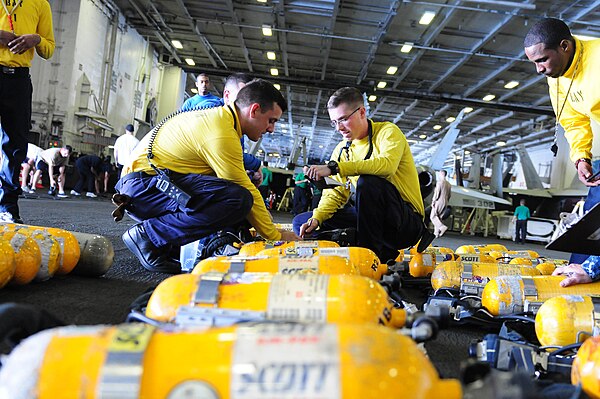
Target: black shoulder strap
column 349, row 143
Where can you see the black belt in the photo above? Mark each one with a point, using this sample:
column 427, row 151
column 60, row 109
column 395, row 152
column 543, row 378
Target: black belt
column 135, row 175
column 14, row 71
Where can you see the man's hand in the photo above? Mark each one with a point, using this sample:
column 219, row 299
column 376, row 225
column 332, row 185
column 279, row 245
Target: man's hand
column 574, row 275
column 258, row 177
column 317, row 172
column 287, row 235
column 6, row 37
column 23, row 43
column 584, row 172
column 308, row 227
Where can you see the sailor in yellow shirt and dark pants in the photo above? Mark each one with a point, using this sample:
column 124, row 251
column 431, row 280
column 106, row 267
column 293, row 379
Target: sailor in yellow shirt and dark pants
column 25, row 25
column 200, row 153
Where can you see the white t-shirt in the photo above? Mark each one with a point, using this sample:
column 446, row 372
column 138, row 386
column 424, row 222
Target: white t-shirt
column 123, row 148
column 33, row 151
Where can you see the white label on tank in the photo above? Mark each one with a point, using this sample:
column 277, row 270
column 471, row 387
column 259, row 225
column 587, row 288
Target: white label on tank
column 427, row 260
column 342, row 251
column 286, row 361
column 45, row 243
column 298, row 297
column 574, row 298
column 306, row 244
column 292, row 265
column 470, row 258
column 193, row 390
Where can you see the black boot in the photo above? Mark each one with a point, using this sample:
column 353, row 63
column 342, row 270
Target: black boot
column 151, row 257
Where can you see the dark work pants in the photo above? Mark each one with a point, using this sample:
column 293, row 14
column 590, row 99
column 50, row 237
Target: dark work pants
column 301, row 200
column 521, row 232
column 215, row 204
column 15, row 117
column 385, row 223
column 86, row 178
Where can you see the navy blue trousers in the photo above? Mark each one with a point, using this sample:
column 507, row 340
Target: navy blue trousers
column 384, row 222
column 215, row 204
column 15, row 114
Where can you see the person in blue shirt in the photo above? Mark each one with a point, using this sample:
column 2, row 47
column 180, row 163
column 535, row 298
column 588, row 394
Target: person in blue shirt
column 233, row 84
column 575, row 273
column 521, row 216
column 204, row 97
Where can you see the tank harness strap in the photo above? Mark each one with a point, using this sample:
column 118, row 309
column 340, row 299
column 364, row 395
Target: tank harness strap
column 208, row 288
column 467, row 273
column 121, row 374
column 529, row 287
column 237, row 266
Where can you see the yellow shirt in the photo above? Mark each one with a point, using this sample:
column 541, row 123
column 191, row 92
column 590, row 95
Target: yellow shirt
column 583, row 102
column 204, row 142
column 31, row 16
column 391, row 159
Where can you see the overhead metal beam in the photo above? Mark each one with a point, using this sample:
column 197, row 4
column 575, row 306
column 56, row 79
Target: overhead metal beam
column 240, row 35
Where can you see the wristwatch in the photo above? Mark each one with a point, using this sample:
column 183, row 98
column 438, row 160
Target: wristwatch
column 586, row 160
column 333, row 167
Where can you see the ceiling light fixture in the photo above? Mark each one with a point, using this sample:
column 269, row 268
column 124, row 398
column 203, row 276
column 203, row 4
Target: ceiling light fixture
column 194, row 90
column 271, row 55
column 190, row 62
column 177, row 44
column 277, row 86
column 501, row 143
column 450, row 119
column 467, row 152
column 437, row 127
column 274, row 71
column 467, row 110
column 381, row 85
column 427, row 18
column 511, row 85
column 392, row 70
column 372, row 97
column 267, row 31
column 406, row 47
column 489, row 97
column 423, row 136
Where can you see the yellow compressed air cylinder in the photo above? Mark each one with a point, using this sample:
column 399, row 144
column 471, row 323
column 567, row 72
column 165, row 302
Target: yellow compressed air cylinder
column 253, row 248
column 506, row 294
column 480, row 249
column 266, row 360
column 276, row 264
column 68, row 245
column 567, row 319
column 299, row 297
column 7, row 262
column 49, row 250
column 450, row 274
column 586, row 367
column 422, row 264
column 27, row 256
column 365, row 260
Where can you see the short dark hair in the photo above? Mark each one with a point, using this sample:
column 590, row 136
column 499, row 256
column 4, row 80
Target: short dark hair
column 444, row 172
column 345, row 95
column 237, row 78
column 69, row 148
column 550, row 31
column 262, row 92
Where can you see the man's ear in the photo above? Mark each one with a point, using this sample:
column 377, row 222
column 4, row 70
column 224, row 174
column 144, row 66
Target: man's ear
column 254, row 108
column 565, row 44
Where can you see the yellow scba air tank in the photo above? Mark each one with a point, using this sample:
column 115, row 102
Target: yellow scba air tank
column 456, row 274
column 253, row 248
column 479, row 249
column 267, row 360
column 365, row 260
column 476, row 258
column 68, row 245
column 292, row 297
column 422, row 264
column 586, row 367
column 7, row 262
column 28, row 256
column 514, row 294
column 567, row 319
column 278, row 264
column 49, row 249
column 96, row 257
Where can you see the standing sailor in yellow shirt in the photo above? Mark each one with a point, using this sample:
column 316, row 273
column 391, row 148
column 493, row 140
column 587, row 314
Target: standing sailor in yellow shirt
column 572, row 67
column 199, row 151
column 376, row 159
column 24, row 25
